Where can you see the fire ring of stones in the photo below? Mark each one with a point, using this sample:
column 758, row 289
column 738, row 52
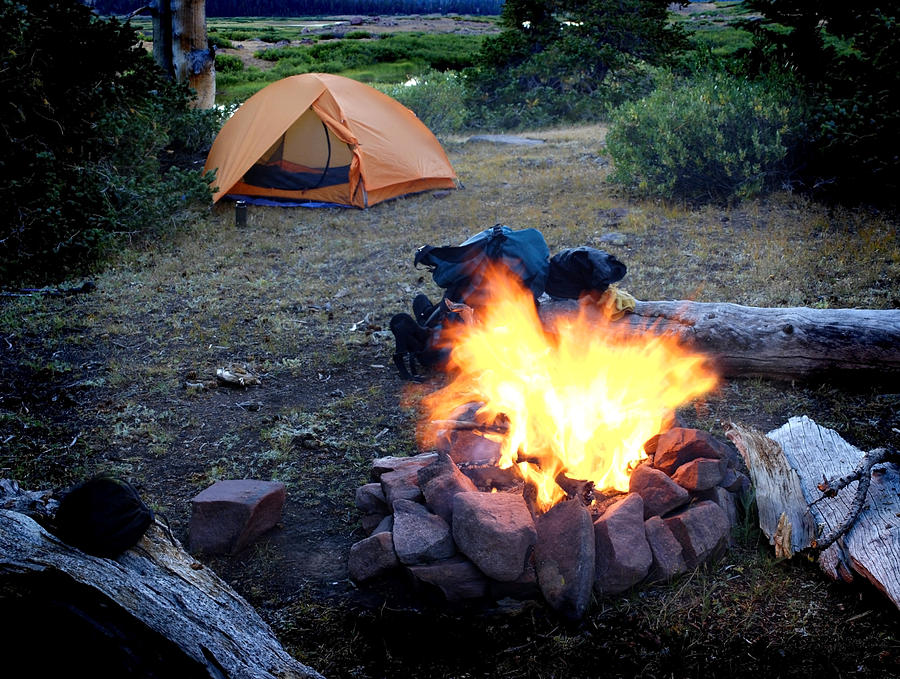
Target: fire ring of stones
column 456, row 521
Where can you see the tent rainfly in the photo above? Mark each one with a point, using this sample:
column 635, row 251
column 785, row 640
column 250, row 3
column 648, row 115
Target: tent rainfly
column 325, row 138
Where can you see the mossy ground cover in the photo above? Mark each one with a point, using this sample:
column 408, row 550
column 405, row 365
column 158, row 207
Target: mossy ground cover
column 97, row 383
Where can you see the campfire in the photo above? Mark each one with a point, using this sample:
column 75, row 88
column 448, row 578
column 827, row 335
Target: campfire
column 558, row 466
column 578, row 399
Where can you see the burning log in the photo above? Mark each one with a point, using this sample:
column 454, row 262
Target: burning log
column 849, row 520
column 771, row 342
column 153, row 611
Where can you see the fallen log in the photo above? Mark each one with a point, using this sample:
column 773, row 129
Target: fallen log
column 805, row 479
column 151, row 612
column 787, row 343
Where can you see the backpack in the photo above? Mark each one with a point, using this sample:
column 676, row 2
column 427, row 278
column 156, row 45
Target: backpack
column 460, row 269
column 102, row 516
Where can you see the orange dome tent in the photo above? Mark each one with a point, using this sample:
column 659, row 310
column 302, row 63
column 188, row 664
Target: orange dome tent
column 319, row 137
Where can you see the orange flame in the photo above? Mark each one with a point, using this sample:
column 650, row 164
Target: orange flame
column 580, row 397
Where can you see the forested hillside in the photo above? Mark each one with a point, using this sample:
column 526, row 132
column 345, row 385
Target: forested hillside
column 218, row 8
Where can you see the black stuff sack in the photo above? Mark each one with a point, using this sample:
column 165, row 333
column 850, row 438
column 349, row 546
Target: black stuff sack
column 583, row 270
column 103, row 516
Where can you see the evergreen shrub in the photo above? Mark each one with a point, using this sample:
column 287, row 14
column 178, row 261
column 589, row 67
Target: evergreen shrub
column 438, row 99
column 713, row 137
column 93, row 142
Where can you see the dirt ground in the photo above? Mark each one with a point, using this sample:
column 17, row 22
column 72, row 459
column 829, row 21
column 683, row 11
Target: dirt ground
column 106, row 382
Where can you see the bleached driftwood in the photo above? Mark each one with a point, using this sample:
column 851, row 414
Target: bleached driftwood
column 195, row 619
column 788, row 465
column 771, row 342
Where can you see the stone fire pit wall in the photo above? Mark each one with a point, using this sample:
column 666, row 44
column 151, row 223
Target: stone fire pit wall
column 458, row 523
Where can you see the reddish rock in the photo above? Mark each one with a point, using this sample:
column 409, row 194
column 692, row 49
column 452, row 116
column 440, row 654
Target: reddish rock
column 401, row 484
column 668, row 557
column 386, row 525
column 419, row 535
column 623, row 554
column 679, row 445
column 700, row 474
column 488, row 477
column 370, row 522
column 372, row 557
column 469, row 447
column 440, row 491
column 703, row 531
column 229, row 515
column 457, row 578
column 564, row 557
column 392, row 463
column 495, row 530
column 523, row 587
column 370, row 499
column 658, row 491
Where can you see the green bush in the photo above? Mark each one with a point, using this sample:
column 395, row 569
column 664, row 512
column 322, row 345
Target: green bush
column 228, row 63
column 438, row 100
column 219, row 41
column 92, row 140
column 715, row 137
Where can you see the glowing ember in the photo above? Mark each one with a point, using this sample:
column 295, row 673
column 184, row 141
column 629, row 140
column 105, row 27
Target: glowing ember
column 580, row 397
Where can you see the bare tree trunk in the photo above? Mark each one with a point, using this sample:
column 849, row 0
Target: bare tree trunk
column 192, row 57
column 161, row 11
column 771, row 342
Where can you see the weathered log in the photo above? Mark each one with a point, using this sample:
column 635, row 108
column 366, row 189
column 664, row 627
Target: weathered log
column 155, row 610
column 787, row 467
column 784, row 343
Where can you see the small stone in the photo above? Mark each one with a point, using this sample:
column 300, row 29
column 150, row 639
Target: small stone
column 495, row 530
column 440, row 491
column 623, row 554
column 489, row 477
column 469, row 447
column 613, row 238
column 700, row 474
column 370, row 522
column 456, row 577
column 668, row 557
column 659, row 492
column 703, row 531
column 419, row 535
column 564, row 557
column 372, row 557
column 230, row 514
column 679, row 445
column 402, row 484
column 370, row 499
column 386, row 525
column 391, row 463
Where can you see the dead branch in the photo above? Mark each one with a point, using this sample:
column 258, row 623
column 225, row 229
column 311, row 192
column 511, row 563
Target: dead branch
column 863, row 474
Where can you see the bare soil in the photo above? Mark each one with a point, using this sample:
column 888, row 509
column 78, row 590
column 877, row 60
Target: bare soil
column 100, row 382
